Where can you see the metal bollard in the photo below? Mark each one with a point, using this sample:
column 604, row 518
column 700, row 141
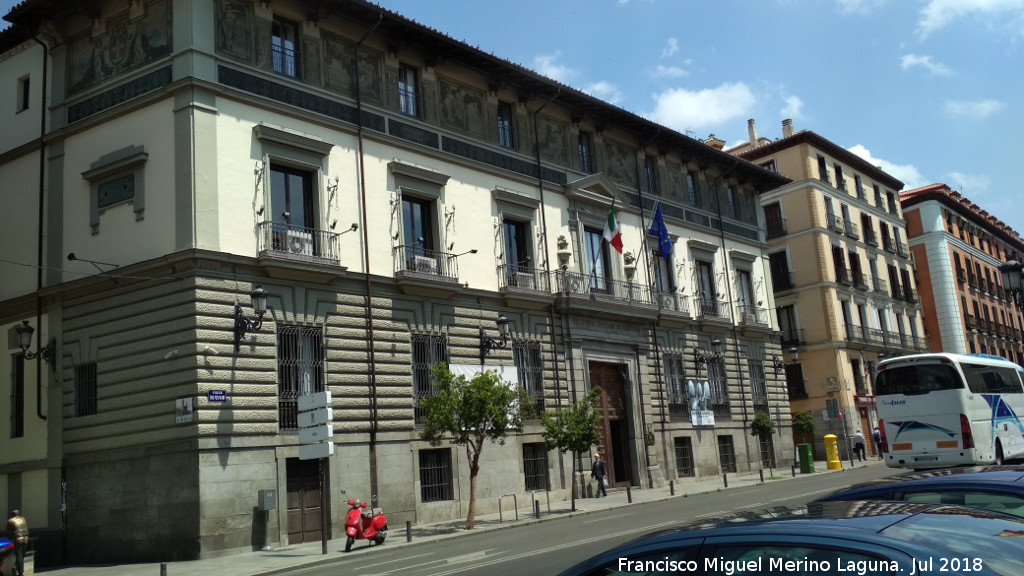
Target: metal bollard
column 629, row 495
column 761, row 472
column 408, row 530
column 725, row 479
column 536, row 508
column 671, row 488
column 163, row 569
column 793, row 469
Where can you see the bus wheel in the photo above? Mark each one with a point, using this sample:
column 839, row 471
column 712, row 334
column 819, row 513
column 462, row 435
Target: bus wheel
column 999, row 454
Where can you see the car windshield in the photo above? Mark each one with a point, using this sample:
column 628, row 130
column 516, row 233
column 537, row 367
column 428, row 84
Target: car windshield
column 996, row 539
column 917, row 379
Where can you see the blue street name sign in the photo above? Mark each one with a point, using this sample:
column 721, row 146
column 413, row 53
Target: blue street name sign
column 217, row 395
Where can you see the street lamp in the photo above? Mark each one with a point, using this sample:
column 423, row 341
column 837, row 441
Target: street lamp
column 244, row 325
column 48, row 353
column 1010, row 272
column 487, row 343
column 702, row 358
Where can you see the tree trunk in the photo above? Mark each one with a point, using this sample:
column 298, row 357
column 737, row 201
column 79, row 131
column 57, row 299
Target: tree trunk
column 572, row 488
column 474, row 469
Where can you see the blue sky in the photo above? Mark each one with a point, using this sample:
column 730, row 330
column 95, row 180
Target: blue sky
column 931, row 90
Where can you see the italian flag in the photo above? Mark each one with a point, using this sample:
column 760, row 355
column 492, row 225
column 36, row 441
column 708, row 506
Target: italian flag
column 612, row 232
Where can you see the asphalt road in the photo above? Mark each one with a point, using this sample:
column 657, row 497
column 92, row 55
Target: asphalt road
column 547, row 548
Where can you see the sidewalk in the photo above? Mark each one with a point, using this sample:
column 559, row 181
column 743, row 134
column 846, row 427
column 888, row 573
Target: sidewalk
column 289, row 558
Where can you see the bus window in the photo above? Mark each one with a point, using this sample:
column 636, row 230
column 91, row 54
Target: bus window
column 991, row 379
column 917, row 379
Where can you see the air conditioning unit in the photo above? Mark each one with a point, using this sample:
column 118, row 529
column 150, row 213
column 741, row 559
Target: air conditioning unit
column 668, row 301
column 425, row 264
column 749, row 318
column 525, row 280
column 300, row 242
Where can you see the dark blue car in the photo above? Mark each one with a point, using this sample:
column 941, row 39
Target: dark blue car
column 864, row 538
column 996, row 488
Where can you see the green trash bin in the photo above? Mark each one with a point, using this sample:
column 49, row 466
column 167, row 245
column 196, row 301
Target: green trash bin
column 806, row 452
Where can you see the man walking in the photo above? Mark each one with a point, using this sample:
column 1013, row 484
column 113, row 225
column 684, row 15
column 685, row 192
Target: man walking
column 598, row 471
column 17, row 531
column 858, row 445
column 876, row 439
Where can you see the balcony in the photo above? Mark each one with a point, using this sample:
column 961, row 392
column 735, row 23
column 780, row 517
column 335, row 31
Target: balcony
column 888, row 244
column 879, row 285
column 753, row 316
column 901, row 250
column 844, row 277
column 775, row 228
column 759, row 394
column 897, row 292
column 281, row 240
column 961, row 275
column 851, row 231
column 860, row 193
column 673, row 302
column 860, row 281
column 870, row 238
column 412, row 261
column 593, row 287
column 515, row 278
column 709, row 309
column 856, row 334
column 792, row 337
column 971, row 322
column 910, row 295
column 834, row 223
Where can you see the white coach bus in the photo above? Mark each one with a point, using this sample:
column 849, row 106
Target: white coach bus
column 939, row 410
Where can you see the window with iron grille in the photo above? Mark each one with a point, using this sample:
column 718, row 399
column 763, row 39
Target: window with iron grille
column 535, row 466
column 684, row 457
column 586, row 153
column 675, row 384
column 719, row 388
column 427, row 350
column 726, row 454
column 505, row 133
column 530, row 370
column 407, row 89
column 651, row 174
column 283, row 45
column 85, row 389
column 18, row 396
column 436, row 475
column 758, row 384
column 300, row 358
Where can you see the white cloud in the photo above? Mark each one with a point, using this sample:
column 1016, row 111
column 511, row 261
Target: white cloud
column 671, row 47
column 605, row 91
column 940, row 13
column 858, row 6
column 669, row 72
column 909, row 61
column 547, row 65
column 907, row 173
column 977, row 110
column 793, row 108
column 968, row 184
column 683, row 110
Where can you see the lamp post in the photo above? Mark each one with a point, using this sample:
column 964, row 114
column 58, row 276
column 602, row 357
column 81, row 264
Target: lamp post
column 1013, row 280
column 487, row 343
column 47, row 353
column 244, row 325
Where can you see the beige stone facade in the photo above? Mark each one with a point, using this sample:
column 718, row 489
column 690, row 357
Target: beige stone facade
column 845, row 291
column 392, row 210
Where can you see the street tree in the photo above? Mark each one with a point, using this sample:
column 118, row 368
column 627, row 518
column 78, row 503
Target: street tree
column 763, row 429
column 574, row 429
column 468, row 412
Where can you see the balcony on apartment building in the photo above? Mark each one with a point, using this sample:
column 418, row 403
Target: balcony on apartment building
column 429, row 272
column 860, row 385
column 775, row 227
column 844, row 277
column 792, row 337
column 961, row 275
column 851, row 230
column 282, row 240
column 860, row 281
column 673, row 303
column 870, row 238
column 834, row 223
column 753, row 316
column 575, row 285
column 759, row 395
column 910, row 295
column 707, row 308
column 514, row 278
column 880, row 285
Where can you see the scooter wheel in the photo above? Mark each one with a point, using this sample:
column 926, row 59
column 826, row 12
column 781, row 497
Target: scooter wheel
column 348, row 543
column 381, row 535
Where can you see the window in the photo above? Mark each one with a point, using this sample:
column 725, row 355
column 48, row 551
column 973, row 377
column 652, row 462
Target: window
column 292, row 211
column 300, row 357
column 769, row 166
column 758, row 383
column 519, row 271
column 788, row 326
column 795, row 381
column 822, row 169
column 731, row 207
column 505, row 133
column 706, row 288
column 418, row 235
column 427, row 350
column 115, row 179
column 85, row 389
column 17, row 396
column 597, row 259
column 436, row 475
column 283, row 46
column 692, row 189
column 407, row 88
column 24, row 93
column 586, row 153
column 778, row 263
column 535, row 466
column 745, row 295
column 675, row 384
column 840, row 181
column 651, row 174
column 684, row 458
column 530, row 370
column 775, row 224
column 858, row 185
column 726, row 454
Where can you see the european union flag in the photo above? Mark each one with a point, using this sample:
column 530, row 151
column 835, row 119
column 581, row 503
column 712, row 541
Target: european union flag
column 659, row 229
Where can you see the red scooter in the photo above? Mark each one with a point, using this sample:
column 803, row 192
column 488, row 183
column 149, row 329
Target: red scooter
column 364, row 527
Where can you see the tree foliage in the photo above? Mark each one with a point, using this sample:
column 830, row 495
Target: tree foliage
column 574, row 428
column 467, row 412
column 762, row 426
column 803, row 424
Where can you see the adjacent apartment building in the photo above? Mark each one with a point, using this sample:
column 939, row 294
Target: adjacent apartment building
column 845, row 292
column 958, row 248
column 214, row 207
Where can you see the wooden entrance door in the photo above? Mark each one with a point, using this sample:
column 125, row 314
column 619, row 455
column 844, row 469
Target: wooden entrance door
column 614, row 422
column 304, row 511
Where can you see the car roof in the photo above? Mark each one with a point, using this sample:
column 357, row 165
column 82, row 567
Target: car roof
column 963, row 476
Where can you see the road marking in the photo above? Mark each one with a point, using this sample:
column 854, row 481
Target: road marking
column 607, row 518
column 468, row 557
column 758, row 505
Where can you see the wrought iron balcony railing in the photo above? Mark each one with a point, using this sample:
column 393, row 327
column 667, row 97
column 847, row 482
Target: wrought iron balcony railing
column 753, row 315
column 713, row 309
column 674, row 302
column 600, row 288
column 416, row 262
column 515, row 278
column 283, row 240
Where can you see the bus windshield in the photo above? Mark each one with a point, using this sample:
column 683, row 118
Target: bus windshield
column 914, row 379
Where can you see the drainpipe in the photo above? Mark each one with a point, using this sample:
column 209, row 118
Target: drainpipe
column 39, row 240
column 372, row 360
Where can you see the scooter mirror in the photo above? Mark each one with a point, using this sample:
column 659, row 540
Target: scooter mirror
column 363, row 505
column 350, row 503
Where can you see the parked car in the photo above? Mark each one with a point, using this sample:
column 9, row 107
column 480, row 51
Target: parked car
column 866, row 538
column 996, row 488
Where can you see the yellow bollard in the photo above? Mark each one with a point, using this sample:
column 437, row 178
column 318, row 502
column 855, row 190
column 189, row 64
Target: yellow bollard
column 832, row 453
